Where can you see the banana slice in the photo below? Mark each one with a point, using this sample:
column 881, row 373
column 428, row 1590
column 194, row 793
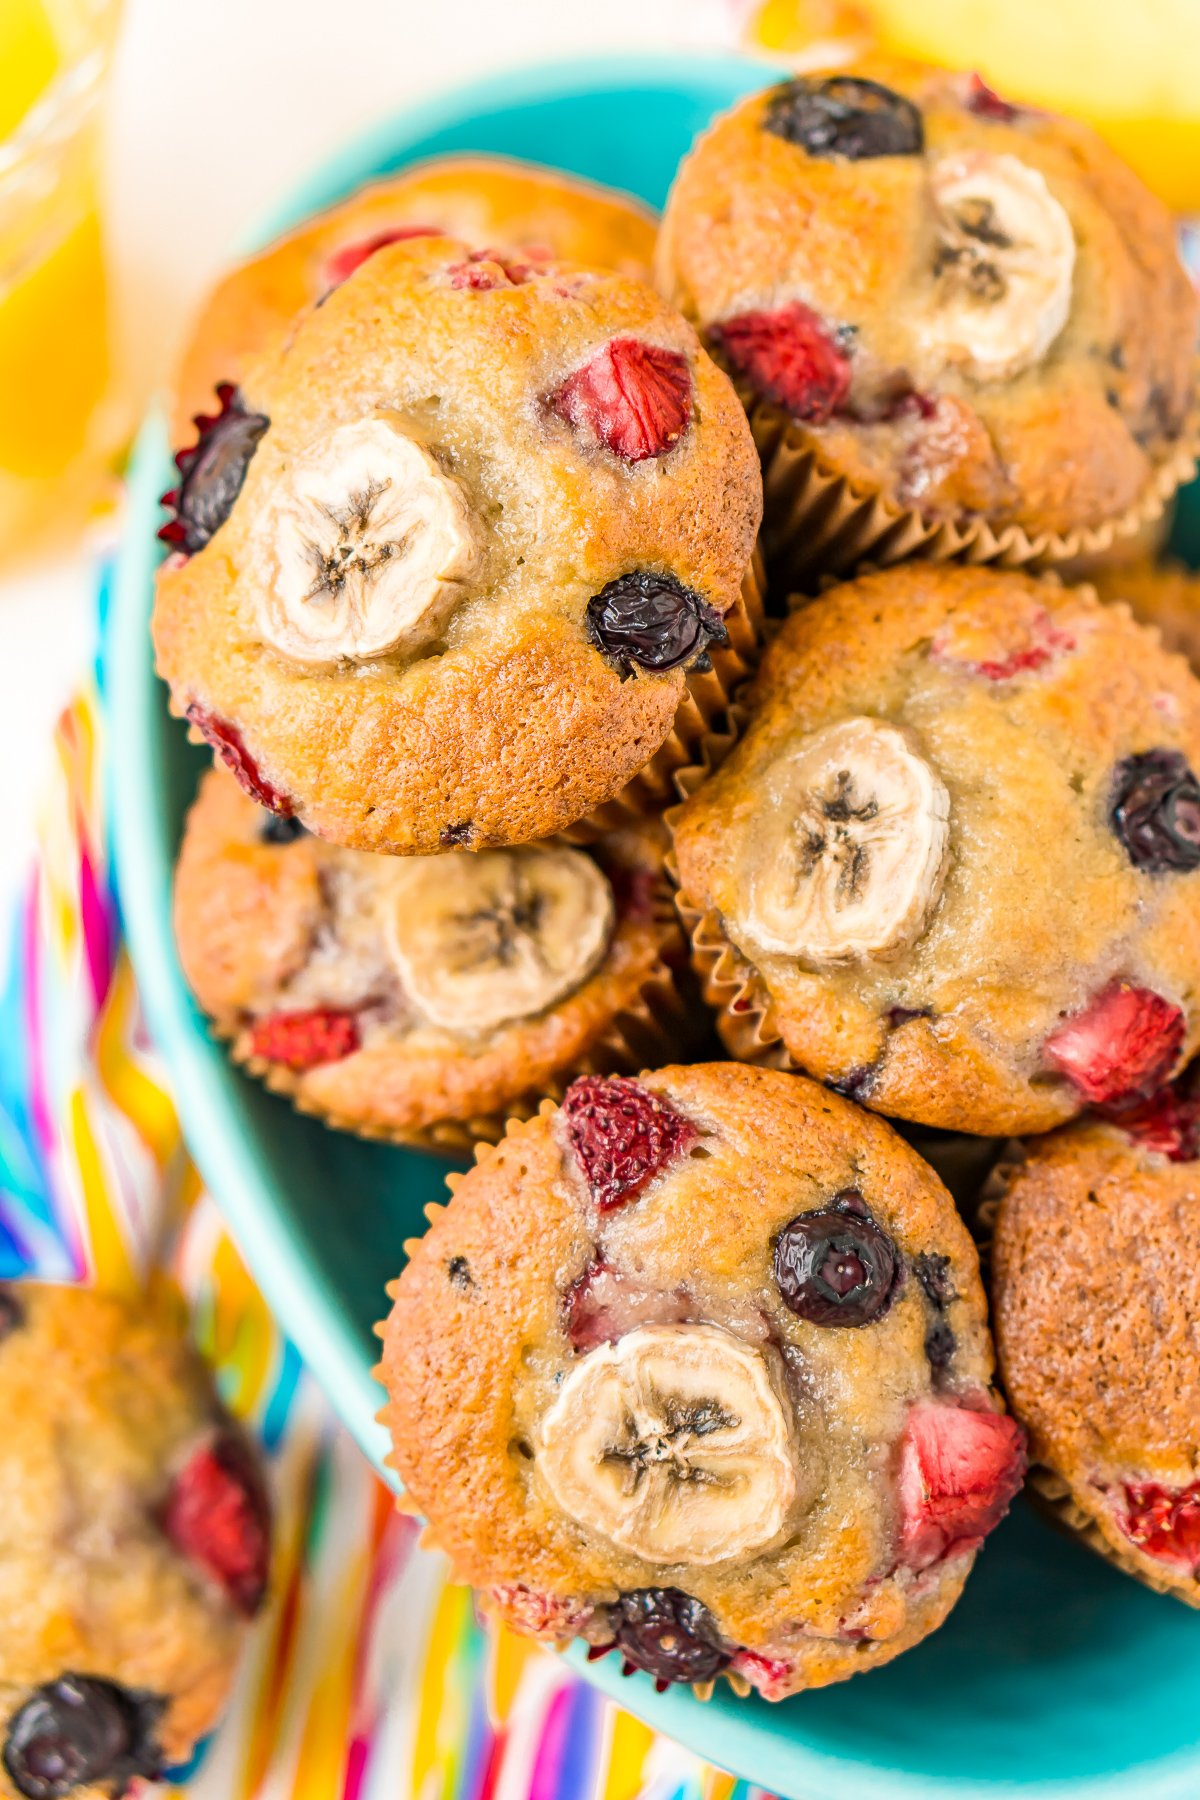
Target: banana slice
column 850, row 857
column 363, row 549
column 482, row 939
column 1004, row 266
column 674, row 1443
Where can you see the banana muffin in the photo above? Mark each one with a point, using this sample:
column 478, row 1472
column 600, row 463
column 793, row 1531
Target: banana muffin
column 953, row 867
column 955, row 322
column 463, row 555
column 730, row 1374
column 481, row 199
column 1096, row 1302
column 1165, row 595
column 425, row 998
column 134, row 1543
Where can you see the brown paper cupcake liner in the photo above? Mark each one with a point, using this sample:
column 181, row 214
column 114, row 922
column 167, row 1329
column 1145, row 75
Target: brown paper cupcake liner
column 1052, row 1498
column 660, row 1025
column 745, row 1018
column 819, row 522
column 703, row 717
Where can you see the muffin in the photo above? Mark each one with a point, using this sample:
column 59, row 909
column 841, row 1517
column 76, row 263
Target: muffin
column 481, row 199
column 134, row 1544
column 425, row 998
column 960, row 327
column 1096, row 1298
column 1165, row 595
column 464, row 556
column 952, row 866
column 729, row 1373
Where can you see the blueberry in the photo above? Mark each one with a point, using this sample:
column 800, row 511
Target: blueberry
column 12, row 1313
column 1155, row 811
column 211, row 471
column 653, row 622
column 843, row 115
column 932, row 1270
column 669, row 1635
column 277, row 828
column 940, row 1345
column 836, row 1267
column 78, row 1731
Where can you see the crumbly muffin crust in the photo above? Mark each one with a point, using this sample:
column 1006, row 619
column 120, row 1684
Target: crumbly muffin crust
column 534, row 1270
column 1022, row 707
column 106, row 1409
column 465, row 702
column 1096, row 1298
column 1023, row 356
column 272, row 934
column 484, row 200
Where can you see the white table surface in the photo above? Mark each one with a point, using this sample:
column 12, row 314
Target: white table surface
column 217, row 107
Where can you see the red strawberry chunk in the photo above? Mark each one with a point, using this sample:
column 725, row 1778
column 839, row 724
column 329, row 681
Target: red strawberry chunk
column 484, row 269
column 768, row 1675
column 1164, row 1522
column 792, row 357
column 226, row 741
column 1168, row 1123
column 959, row 1470
column 623, row 1136
column 1037, row 641
column 218, row 1515
column 986, row 104
column 603, row 1305
column 305, row 1040
column 636, row 398
column 1121, row 1047
column 343, row 262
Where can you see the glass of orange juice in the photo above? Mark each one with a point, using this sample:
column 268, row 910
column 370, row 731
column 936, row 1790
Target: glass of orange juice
column 54, row 365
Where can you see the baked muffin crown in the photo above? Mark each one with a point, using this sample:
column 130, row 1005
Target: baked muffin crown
column 480, row 199
column 1096, row 1299
column 948, row 855
column 972, row 308
column 135, row 1538
column 496, row 513
column 653, row 1236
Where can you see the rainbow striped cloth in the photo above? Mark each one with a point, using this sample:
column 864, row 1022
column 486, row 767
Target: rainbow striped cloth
column 370, row 1675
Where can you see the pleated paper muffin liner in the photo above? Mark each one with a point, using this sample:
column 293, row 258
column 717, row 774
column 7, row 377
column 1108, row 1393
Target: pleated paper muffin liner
column 819, row 522
column 703, row 716
column 658, row 1026
column 1053, row 1498
column 732, row 987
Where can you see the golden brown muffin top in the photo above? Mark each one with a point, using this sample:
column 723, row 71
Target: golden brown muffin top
column 407, row 620
column 484, row 200
column 989, row 314
column 115, row 1450
column 915, row 847
column 612, row 1232
column 393, row 994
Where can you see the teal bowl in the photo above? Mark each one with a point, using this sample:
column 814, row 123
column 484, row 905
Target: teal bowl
column 1055, row 1676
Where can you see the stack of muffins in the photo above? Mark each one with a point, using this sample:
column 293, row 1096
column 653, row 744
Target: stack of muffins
column 604, row 666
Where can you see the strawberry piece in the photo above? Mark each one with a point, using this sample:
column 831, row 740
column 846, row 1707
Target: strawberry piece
column 305, row 1040
column 1164, row 1523
column 1121, row 1047
column 484, row 269
column 792, row 357
column 538, row 1614
column 636, row 398
column 959, row 1470
column 226, row 740
column 342, row 264
column 986, row 104
column 1167, row 1123
column 768, row 1675
column 1038, row 641
column 218, row 1515
column 623, row 1136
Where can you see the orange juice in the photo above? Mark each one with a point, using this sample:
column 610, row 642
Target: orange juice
column 53, row 312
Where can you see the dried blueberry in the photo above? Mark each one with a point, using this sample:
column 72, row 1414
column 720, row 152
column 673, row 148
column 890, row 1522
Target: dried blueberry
column 836, row 1267
column 932, row 1270
column 1155, row 811
column 278, row 828
column 669, row 1635
column 12, row 1313
column 458, row 1269
column 653, row 622
column 212, row 471
column 940, row 1345
column 843, row 115
column 78, row 1731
